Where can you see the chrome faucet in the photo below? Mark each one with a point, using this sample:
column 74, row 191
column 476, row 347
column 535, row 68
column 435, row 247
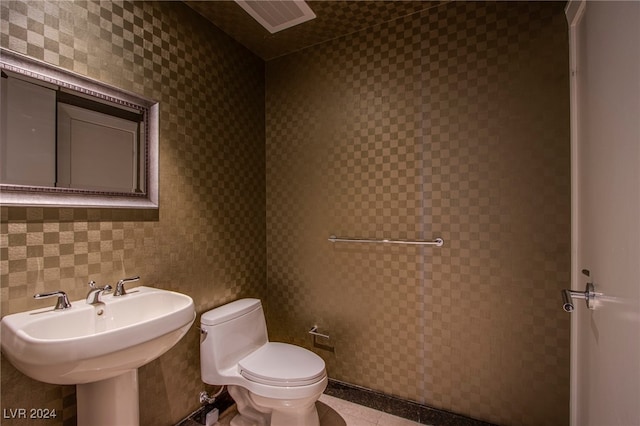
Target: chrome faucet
column 120, row 291
column 63, row 300
column 93, row 296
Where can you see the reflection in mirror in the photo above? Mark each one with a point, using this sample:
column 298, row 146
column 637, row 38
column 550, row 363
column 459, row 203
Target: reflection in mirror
column 67, row 140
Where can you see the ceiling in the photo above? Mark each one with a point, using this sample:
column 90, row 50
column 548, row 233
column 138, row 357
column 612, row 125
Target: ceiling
column 335, row 18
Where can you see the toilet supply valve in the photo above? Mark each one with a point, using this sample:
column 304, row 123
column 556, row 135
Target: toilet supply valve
column 205, row 398
column 209, row 413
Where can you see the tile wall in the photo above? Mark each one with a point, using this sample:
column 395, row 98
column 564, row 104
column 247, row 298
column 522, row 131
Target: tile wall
column 454, row 123
column 206, row 240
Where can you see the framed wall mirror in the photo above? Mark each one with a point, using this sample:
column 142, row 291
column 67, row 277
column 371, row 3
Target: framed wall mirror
column 70, row 141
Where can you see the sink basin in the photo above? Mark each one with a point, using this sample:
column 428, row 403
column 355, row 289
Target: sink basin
column 90, row 343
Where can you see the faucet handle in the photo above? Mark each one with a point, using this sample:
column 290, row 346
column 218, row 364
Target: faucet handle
column 63, row 300
column 120, row 291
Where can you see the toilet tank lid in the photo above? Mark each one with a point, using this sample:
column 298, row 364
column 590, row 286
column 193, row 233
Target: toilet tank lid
column 229, row 311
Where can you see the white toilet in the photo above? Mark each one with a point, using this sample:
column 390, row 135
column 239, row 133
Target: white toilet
column 272, row 383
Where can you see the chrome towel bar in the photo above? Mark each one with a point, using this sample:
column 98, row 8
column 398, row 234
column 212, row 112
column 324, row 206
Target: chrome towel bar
column 438, row 242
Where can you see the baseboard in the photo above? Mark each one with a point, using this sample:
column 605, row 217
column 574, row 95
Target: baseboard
column 398, row 407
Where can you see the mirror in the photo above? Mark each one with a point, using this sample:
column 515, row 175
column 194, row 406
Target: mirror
column 70, row 141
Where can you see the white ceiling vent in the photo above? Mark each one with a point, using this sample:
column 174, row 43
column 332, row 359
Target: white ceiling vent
column 277, row 15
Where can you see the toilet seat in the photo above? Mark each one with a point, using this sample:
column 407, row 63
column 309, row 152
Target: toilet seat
column 281, row 364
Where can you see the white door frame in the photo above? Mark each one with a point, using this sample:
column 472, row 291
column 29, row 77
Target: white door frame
column 574, row 12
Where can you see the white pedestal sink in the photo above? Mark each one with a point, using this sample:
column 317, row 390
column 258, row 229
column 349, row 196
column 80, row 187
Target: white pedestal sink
column 99, row 347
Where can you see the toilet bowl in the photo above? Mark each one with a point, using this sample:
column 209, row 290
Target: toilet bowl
column 272, row 383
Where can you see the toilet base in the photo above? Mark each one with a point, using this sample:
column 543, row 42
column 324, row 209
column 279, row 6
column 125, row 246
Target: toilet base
column 255, row 410
column 248, row 413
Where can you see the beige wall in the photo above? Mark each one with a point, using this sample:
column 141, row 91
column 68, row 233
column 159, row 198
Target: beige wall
column 207, row 240
column 452, row 123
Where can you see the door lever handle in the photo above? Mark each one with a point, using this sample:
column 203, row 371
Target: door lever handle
column 588, row 295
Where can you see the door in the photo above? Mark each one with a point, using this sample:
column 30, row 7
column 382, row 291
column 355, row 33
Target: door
column 605, row 65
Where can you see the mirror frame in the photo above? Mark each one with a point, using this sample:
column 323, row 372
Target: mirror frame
column 38, row 196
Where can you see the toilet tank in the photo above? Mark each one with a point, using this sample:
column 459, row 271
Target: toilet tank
column 232, row 331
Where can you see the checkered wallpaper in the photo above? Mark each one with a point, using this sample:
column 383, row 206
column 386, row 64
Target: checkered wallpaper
column 206, row 240
column 450, row 123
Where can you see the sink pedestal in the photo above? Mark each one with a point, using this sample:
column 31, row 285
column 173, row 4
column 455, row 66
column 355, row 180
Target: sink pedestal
column 109, row 402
